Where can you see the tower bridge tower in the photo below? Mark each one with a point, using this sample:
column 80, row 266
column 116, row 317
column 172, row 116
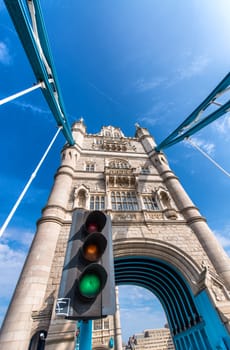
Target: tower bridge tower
column 161, row 242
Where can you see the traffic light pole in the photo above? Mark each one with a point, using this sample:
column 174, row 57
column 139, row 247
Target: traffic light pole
column 85, row 342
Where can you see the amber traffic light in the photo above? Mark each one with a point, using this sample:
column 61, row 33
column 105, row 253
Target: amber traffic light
column 87, row 283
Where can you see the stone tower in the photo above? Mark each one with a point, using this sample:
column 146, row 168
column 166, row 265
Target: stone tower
column 161, row 242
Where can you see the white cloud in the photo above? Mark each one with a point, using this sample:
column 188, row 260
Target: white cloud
column 5, row 57
column 137, row 320
column 140, row 295
column 140, row 310
column 156, row 113
column 222, row 125
column 206, row 146
column 223, row 237
column 195, row 67
column 19, row 236
column 103, row 94
column 224, row 241
column 13, row 250
column 142, row 85
column 11, row 262
column 33, row 108
column 148, row 120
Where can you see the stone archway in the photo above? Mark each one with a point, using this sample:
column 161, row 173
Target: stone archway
column 175, row 279
column 164, row 251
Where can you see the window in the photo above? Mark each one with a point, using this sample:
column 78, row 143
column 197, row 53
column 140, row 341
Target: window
column 97, row 202
column 119, row 164
column 145, row 170
column 97, row 324
column 116, row 135
column 38, row 340
column 99, row 141
column 90, row 167
column 81, row 199
column 124, row 201
column 150, row 203
column 106, row 324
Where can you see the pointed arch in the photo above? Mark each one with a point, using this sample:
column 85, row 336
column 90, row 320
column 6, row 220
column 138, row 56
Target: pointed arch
column 81, row 197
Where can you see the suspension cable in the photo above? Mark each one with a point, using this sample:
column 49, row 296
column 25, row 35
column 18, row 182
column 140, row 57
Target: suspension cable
column 189, row 140
column 33, row 175
column 21, row 93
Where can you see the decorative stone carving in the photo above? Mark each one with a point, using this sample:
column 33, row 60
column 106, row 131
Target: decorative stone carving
column 165, row 199
column 81, row 197
column 154, row 215
column 118, row 173
column 170, row 214
column 121, row 217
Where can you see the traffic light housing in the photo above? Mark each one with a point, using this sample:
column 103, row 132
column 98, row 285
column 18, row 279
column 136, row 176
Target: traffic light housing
column 87, row 288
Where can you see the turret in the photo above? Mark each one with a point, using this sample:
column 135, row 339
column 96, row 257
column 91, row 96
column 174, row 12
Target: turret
column 79, row 131
column 145, row 138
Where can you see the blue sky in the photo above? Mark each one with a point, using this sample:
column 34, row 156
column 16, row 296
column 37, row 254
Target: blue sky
column 118, row 63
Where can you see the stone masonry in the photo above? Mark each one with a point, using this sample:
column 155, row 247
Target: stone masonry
column 151, row 214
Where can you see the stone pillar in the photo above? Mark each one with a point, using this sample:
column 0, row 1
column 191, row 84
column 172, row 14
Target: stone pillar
column 30, row 293
column 117, row 324
column 108, row 203
column 198, row 224
column 140, row 202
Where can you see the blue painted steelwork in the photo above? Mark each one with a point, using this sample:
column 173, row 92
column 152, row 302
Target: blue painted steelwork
column 191, row 318
column 77, row 340
column 215, row 330
column 85, row 341
column 39, row 54
column 192, row 124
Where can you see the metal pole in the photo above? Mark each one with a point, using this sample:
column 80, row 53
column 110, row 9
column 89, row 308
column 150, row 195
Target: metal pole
column 4, row 226
column 13, row 97
column 77, row 335
column 85, row 335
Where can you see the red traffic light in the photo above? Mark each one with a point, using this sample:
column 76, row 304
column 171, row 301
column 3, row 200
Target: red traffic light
column 92, row 227
column 95, row 222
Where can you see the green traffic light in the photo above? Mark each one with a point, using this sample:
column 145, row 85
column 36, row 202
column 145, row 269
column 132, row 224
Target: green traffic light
column 90, row 285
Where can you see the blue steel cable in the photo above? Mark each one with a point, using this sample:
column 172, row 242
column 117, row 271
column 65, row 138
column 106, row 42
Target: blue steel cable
column 178, row 134
column 22, row 22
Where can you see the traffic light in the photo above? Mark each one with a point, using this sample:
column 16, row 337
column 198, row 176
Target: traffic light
column 87, row 288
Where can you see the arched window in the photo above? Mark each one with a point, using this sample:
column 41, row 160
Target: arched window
column 116, row 135
column 81, row 199
column 37, row 342
column 165, row 199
